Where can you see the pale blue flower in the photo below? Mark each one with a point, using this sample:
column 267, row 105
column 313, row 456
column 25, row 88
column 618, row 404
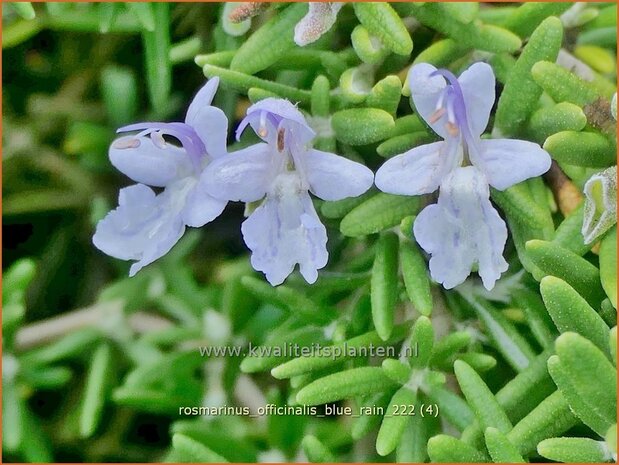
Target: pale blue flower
column 146, row 225
column 463, row 230
column 285, row 229
column 458, row 109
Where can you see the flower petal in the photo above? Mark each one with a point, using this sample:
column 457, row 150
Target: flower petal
column 144, row 227
column 420, row 170
column 146, row 163
column 203, row 99
column 506, row 162
column 438, row 235
column 332, row 177
column 425, row 93
column 463, row 229
column 243, row 176
column 211, row 125
column 271, row 113
column 477, row 84
column 201, row 208
column 285, row 230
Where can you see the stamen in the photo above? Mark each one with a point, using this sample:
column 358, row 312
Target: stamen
column 126, row 143
column 451, row 117
column 280, row 139
column 438, row 114
column 441, row 99
column 456, row 109
column 262, row 130
column 158, row 139
column 452, row 129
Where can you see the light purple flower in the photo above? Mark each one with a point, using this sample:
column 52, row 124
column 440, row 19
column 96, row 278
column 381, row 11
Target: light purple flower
column 458, row 109
column 463, row 230
column 285, row 229
column 146, row 225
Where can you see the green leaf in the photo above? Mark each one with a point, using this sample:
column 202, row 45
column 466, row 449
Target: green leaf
column 415, row 275
column 526, row 18
column 13, row 411
column 608, row 265
column 72, row 345
column 386, row 95
column 569, row 235
column 286, row 298
column 369, row 48
column 552, row 417
column 412, row 446
column 145, row 14
column 340, row 208
column 269, row 43
column 366, row 423
column 316, row 451
column 403, row 143
column 24, row 9
column 465, row 12
column 17, row 279
column 563, row 116
column 521, row 94
column 563, row 85
column 301, row 337
column 362, row 126
column 440, row 54
column 244, row 82
column 613, row 344
column 381, row 20
column 583, row 362
column 384, row 284
column 189, row 450
column 506, row 338
column 422, row 337
column 398, row 371
column 574, row 450
column 455, row 409
column 536, row 316
column 447, row 347
column 556, row 261
column 107, row 15
column 518, row 203
column 500, row 449
column 580, row 406
column 336, row 353
column 119, row 90
column 356, row 83
column 471, row 35
column 443, row 448
column 320, row 102
column 157, row 56
column 96, row 390
column 380, row 212
column 395, row 420
column 44, row 378
column 588, row 149
column 344, row 385
column 484, row 405
column 570, row 312
column 479, row 362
